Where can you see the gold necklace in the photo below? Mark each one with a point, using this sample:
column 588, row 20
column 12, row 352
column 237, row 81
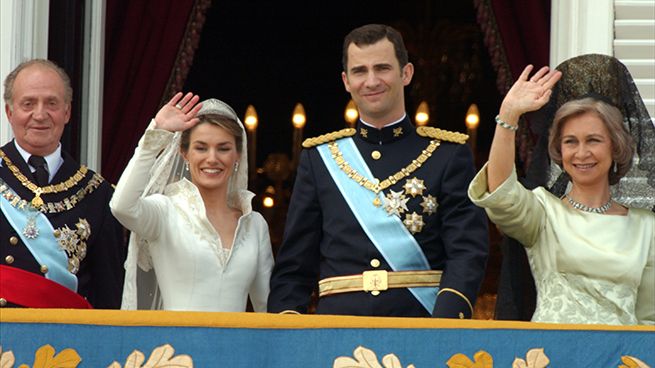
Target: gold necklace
column 376, row 185
column 37, row 202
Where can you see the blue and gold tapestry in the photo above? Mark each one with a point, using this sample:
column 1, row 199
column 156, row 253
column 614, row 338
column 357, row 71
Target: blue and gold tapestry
column 31, row 338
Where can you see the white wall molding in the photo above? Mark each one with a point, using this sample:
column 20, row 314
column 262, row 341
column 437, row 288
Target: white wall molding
column 580, row 27
column 23, row 35
column 93, row 84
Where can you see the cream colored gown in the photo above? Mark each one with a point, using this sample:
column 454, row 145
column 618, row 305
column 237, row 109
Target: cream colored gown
column 588, row 268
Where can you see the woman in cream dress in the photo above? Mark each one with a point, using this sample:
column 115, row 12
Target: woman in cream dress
column 592, row 258
column 209, row 251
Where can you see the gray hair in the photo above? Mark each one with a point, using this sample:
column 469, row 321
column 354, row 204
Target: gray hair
column 11, row 78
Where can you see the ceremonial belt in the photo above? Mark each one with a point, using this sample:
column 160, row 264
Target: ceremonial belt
column 378, row 280
column 30, row 290
column 387, row 232
column 44, row 246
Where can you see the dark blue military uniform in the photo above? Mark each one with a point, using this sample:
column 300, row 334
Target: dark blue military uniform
column 100, row 273
column 323, row 238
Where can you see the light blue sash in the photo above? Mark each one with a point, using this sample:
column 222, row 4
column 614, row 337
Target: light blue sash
column 387, row 232
column 44, row 247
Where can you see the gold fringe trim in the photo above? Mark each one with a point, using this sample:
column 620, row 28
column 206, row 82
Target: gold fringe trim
column 443, row 135
column 329, row 137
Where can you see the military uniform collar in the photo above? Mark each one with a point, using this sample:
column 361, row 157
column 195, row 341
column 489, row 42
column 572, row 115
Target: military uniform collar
column 387, row 134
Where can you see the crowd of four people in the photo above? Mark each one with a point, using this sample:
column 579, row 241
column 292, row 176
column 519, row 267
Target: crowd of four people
column 385, row 219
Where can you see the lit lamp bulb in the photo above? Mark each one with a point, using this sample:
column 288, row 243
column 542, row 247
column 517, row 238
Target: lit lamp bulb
column 351, row 114
column 472, row 121
column 298, row 118
column 422, row 114
column 251, row 118
column 268, row 200
column 472, row 117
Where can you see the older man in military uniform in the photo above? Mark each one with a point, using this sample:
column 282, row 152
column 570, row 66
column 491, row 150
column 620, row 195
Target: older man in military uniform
column 379, row 215
column 60, row 245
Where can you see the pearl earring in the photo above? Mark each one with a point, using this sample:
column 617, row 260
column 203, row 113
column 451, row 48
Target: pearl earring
column 236, row 166
column 186, row 165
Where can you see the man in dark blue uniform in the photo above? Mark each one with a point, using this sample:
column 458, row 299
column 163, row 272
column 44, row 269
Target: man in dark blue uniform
column 60, row 246
column 379, row 215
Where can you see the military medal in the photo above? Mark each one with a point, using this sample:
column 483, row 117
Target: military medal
column 73, row 242
column 395, row 203
column 414, row 187
column 30, row 231
column 414, row 222
column 429, row 204
column 37, row 202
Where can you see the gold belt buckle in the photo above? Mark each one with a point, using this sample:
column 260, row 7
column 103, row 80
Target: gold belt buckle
column 375, row 281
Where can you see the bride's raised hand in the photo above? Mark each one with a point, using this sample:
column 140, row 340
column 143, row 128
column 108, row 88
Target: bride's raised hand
column 529, row 94
column 179, row 113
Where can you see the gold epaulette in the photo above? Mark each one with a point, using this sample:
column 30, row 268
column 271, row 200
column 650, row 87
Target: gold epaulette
column 328, row 137
column 442, row 135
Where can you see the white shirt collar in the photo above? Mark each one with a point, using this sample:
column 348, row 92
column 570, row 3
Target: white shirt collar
column 54, row 159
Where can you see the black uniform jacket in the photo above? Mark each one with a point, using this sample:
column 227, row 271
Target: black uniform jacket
column 101, row 273
column 323, row 238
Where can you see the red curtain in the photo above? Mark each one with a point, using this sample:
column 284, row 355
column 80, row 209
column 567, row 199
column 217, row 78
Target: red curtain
column 516, row 33
column 149, row 48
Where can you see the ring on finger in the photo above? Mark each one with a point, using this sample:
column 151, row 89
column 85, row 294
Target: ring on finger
column 178, row 106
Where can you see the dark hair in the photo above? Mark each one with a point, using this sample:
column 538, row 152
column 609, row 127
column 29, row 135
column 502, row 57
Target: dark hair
column 11, row 78
column 372, row 33
column 622, row 143
column 222, row 121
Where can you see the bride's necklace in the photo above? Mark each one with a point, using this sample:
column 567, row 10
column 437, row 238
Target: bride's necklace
column 577, row 205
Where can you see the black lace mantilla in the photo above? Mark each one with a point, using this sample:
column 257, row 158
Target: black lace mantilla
column 607, row 76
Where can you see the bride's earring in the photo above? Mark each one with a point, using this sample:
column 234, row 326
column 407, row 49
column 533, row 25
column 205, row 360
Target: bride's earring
column 236, row 166
column 186, row 165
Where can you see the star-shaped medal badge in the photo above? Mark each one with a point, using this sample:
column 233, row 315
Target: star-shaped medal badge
column 395, row 203
column 68, row 239
column 414, row 187
column 414, row 222
column 429, row 204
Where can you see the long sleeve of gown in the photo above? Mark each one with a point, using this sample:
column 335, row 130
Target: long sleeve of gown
column 518, row 212
column 140, row 215
column 645, row 308
column 260, row 287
